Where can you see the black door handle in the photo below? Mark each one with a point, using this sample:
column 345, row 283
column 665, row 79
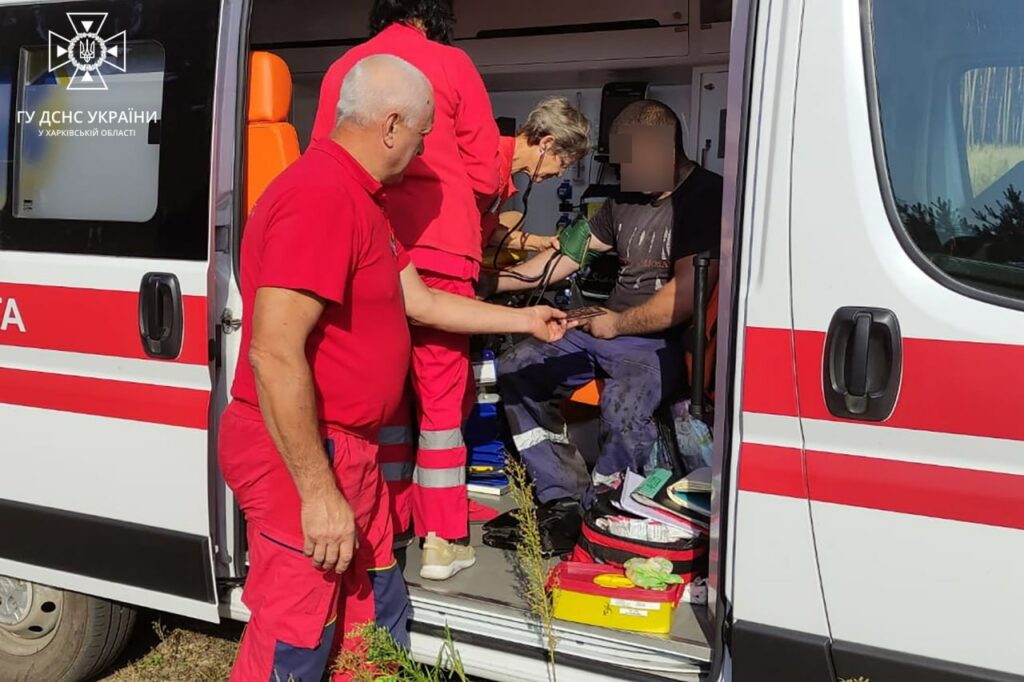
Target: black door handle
column 161, row 325
column 863, row 363
column 858, row 356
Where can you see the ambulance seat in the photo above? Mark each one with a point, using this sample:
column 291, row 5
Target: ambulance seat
column 272, row 141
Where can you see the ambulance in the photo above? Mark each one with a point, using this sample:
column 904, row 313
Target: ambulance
column 868, row 507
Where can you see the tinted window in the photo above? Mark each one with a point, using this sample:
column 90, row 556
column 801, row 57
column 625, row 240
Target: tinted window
column 140, row 188
column 950, row 79
column 93, row 166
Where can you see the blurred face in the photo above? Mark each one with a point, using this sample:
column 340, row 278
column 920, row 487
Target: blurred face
column 545, row 163
column 404, row 141
column 647, row 157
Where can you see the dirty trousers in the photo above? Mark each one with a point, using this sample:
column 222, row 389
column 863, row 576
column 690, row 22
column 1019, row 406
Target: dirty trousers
column 640, row 372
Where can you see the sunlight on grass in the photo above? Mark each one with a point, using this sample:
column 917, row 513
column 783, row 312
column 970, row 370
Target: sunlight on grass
column 989, row 162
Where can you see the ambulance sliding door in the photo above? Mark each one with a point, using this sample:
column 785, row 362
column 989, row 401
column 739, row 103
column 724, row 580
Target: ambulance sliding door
column 908, row 303
column 106, row 127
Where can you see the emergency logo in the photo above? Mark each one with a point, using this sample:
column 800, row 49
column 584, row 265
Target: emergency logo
column 87, row 51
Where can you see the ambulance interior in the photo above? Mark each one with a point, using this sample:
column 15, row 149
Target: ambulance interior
column 601, row 54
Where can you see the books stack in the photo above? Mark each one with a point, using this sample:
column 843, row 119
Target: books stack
column 683, row 504
column 486, row 472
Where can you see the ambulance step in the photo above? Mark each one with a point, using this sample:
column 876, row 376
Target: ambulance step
column 486, row 629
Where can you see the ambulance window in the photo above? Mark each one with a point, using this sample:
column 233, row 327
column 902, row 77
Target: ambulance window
column 91, row 149
column 950, row 99
column 995, row 143
column 108, row 154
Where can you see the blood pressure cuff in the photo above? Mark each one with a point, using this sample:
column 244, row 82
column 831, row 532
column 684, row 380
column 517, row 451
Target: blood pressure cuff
column 574, row 242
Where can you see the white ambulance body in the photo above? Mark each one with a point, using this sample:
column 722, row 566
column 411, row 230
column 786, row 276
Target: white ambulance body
column 869, row 462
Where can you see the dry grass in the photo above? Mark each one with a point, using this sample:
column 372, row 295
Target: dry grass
column 531, row 567
column 173, row 650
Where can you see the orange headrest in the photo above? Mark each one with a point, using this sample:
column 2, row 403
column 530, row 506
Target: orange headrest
column 270, row 88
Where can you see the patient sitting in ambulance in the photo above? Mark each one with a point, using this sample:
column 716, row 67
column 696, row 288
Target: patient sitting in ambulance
column 667, row 210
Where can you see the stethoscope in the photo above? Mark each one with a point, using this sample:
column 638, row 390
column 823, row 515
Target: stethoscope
column 526, row 206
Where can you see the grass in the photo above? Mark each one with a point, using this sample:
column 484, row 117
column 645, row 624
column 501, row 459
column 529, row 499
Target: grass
column 176, row 649
column 378, row 658
column 989, row 162
column 532, row 568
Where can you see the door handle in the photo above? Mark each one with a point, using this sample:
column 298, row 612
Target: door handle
column 161, row 326
column 858, row 355
column 863, row 363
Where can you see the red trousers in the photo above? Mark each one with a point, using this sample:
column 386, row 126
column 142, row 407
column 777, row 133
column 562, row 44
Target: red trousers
column 301, row 616
column 397, row 462
column 441, row 382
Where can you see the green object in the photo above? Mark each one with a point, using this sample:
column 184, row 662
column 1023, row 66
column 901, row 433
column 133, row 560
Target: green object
column 653, row 484
column 652, row 574
column 575, row 241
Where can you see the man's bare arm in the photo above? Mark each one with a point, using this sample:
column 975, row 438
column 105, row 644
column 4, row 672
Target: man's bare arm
column 532, row 269
column 282, row 321
column 670, row 306
column 442, row 310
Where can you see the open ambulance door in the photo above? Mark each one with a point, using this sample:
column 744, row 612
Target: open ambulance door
column 106, row 132
column 908, row 310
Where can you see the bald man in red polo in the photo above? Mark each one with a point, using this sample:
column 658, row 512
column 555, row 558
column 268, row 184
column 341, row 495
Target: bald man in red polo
column 327, row 291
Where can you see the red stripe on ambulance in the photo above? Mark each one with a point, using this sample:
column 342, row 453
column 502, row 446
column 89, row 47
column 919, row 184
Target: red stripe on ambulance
column 972, row 389
column 172, row 406
column 983, row 497
column 92, row 321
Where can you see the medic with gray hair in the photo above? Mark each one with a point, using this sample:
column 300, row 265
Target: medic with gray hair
column 555, row 136
column 327, row 291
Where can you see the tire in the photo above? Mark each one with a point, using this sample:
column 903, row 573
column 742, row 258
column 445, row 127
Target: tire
column 78, row 643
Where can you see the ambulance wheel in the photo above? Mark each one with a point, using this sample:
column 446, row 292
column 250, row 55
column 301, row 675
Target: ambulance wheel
column 51, row 634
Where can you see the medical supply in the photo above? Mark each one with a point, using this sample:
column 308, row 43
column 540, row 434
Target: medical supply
column 574, row 241
column 595, row 595
column 646, row 530
column 596, row 543
column 654, row 573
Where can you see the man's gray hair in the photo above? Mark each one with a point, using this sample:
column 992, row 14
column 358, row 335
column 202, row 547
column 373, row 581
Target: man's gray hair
column 382, row 84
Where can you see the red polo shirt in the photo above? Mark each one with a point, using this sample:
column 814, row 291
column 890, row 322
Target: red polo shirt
column 435, row 210
column 506, row 190
column 320, row 226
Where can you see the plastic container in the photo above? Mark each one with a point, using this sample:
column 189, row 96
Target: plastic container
column 578, row 599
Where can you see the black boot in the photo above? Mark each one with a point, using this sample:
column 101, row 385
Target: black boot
column 560, row 522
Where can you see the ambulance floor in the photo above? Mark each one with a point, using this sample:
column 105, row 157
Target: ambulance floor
column 492, row 580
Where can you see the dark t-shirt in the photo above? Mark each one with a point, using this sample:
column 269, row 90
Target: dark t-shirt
column 650, row 236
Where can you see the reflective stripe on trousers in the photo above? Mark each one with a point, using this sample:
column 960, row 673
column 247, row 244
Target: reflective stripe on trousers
column 451, row 477
column 538, row 435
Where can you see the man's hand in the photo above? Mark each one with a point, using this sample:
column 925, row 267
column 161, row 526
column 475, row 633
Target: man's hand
column 547, row 324
column 329, row 527
column 603, row 326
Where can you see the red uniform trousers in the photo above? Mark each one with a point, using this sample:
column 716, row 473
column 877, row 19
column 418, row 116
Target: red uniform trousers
column 441, row 382
column 397, row 462
column 301, row 615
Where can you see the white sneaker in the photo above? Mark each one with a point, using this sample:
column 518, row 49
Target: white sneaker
column 443, row 559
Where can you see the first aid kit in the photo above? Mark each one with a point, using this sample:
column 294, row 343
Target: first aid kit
column 598, row 595
column 599, row 543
